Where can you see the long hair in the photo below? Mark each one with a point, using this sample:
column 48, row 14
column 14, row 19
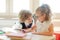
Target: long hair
column 45, row 9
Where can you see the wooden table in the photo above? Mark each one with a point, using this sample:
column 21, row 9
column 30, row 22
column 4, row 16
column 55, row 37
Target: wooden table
column 16, row 36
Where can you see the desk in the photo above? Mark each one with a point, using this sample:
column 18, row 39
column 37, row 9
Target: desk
column 16, row 36
column 4, row 37
column 57, row 35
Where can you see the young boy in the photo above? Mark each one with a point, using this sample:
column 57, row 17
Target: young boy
column 25, row 21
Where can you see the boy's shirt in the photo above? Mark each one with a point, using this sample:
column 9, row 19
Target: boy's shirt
column 25, row 26
column 19, row 25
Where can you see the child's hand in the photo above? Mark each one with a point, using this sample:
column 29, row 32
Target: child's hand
column 33, row 32
column 25, row 31
column 19, row 29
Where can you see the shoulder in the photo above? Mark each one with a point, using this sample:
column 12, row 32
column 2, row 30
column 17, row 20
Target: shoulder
column 50, row 25
column 17, row 23
column 49, row 22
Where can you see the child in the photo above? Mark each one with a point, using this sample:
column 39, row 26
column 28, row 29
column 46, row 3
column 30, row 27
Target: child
column 25, row 21
column 44, row 27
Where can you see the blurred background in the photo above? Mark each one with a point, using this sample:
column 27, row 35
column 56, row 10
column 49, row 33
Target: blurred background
column 9, row 10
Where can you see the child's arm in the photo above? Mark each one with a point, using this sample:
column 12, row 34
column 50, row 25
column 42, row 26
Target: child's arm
column 27, row 30
column 49, row 33
column 32, row 29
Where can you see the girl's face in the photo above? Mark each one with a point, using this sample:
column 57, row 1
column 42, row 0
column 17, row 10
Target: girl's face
column 40, row 16
column 29, row 20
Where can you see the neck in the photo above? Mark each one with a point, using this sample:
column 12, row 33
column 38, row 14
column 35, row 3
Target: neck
column 41, row 21
column 26, row 23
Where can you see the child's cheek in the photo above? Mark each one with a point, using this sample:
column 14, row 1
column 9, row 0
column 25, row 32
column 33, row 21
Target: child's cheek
column 41, row 19
column 30, row 20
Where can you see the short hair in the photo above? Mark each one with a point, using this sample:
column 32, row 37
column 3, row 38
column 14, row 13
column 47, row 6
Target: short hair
column 45, row 9
column 24, row 15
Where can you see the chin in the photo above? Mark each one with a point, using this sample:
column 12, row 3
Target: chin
column 30, row 22
column 41, row 20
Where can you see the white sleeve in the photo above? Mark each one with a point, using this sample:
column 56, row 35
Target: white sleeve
column 17, row 26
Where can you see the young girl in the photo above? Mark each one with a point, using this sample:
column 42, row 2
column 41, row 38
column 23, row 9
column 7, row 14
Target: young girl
column 44, row 27
column 25, row 21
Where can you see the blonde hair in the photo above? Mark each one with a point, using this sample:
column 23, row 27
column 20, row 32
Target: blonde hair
column 45, row 9
column 24, row 15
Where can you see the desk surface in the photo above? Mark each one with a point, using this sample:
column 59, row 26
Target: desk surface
column 4, row 37
column 16, row 34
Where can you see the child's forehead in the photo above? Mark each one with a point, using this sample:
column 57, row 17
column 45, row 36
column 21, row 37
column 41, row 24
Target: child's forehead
column 30, row 16
column 39, row 13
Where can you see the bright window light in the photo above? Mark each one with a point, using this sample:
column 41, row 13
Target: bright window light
column 20, row 5
column 54, row 5
column 2, row 6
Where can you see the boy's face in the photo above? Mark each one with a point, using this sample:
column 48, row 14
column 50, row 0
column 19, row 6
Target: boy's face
column 40, row 17
column 29, row 20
